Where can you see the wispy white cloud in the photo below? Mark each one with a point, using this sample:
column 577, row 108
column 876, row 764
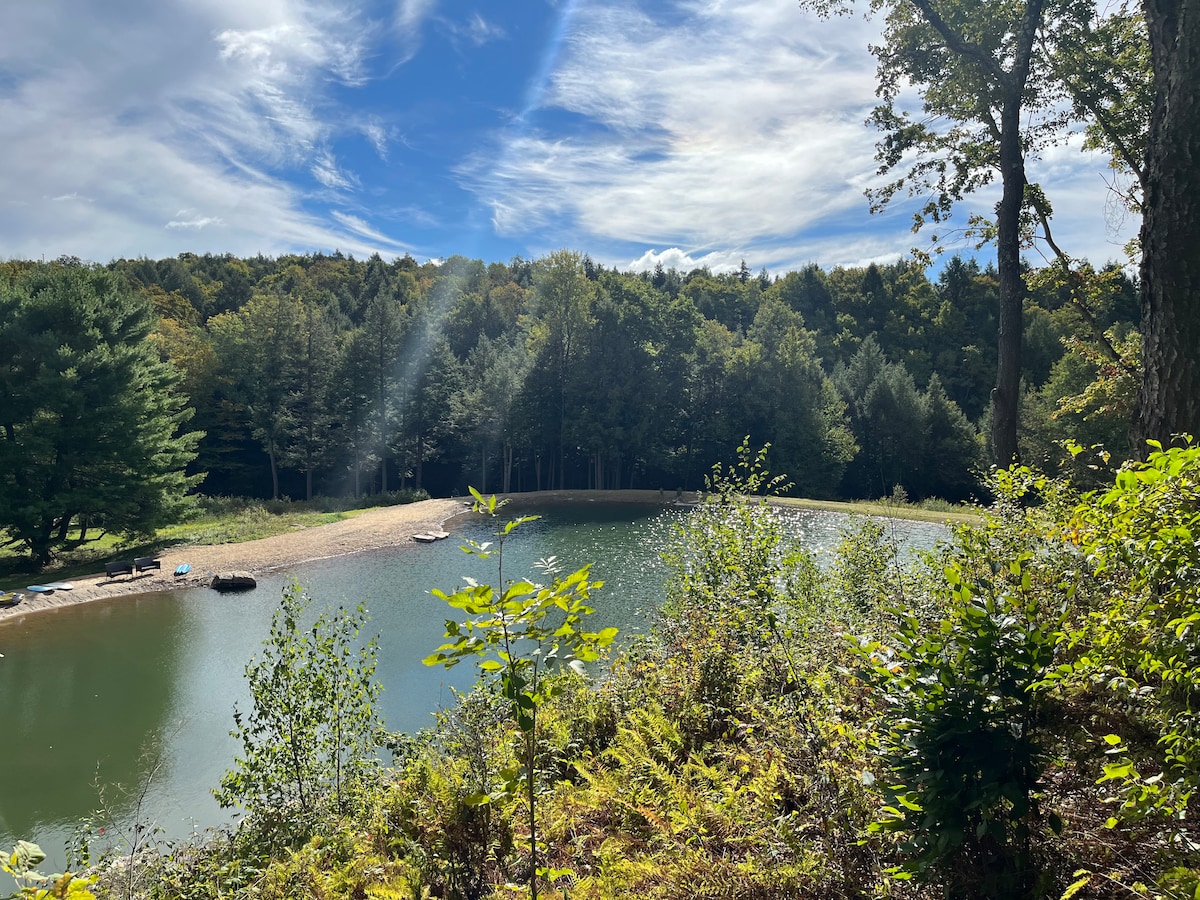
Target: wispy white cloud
column 407, row 22
column 475, row 30
column 706, row 130
column 326, row 170
column 729, row 126
column 374, row 131
column 712, row 125
column 114, row 119
column 195, row 222
column 362, row 228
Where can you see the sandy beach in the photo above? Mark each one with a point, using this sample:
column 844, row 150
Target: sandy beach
column 376, row 529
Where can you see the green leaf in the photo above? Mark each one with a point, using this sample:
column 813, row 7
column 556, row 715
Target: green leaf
column 26, row 857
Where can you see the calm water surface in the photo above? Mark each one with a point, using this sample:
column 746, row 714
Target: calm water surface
column 93, row 695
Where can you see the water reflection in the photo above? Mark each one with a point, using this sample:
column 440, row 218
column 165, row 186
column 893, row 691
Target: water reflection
column 79, row 707
column 86, row 688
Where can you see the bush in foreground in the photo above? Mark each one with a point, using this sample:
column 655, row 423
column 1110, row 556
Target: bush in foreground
column 1008, row 718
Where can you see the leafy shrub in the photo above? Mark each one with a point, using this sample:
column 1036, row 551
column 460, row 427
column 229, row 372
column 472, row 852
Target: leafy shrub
column 1142, row 537
column 963, row 756
column 515, row 633
column 311, row 733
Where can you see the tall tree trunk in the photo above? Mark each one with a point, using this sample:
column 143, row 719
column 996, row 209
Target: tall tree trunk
column 417, row 476
column 1005, row 396
column 274, row 472
column 1168, row 401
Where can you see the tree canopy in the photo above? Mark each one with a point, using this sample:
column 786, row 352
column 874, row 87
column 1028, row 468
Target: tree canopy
column 92, row 423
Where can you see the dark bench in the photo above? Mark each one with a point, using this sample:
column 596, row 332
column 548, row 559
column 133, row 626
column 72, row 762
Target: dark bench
column 142, row 563
column 113, row 569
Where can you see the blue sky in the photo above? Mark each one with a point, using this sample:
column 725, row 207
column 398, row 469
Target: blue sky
column 692, row 133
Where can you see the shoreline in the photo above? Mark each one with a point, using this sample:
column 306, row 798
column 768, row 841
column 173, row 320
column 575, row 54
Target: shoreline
column 376, row 529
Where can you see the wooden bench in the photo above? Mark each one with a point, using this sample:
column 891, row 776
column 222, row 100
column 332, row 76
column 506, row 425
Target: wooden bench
column 142, row 563
column 114, row 569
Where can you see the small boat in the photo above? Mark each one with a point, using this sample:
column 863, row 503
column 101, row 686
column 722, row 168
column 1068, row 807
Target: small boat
column 60, row 586
column 430, row 537
column 10, row 598
column 40, row 589
column 182, row 569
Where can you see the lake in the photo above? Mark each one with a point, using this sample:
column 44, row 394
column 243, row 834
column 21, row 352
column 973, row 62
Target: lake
column 127, row 703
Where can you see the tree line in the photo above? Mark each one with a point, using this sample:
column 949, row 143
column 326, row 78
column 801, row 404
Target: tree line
column 323, row 374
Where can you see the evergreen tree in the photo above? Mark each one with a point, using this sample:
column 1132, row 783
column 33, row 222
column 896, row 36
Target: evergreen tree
column 90, row 419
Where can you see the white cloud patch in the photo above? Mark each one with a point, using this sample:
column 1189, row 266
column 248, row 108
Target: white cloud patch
column 377, row 135
column 119, row 121
column 195, row 222
column 407, row 22
column 682, row 261
column 326, row 170
column 734, row 124
column 362, row 228
column 475, row 31
column 736, row 129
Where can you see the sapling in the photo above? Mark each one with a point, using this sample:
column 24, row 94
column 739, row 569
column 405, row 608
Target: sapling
column 514, row 631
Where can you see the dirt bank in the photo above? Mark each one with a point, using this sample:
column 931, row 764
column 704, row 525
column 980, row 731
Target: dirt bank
column 376, row 529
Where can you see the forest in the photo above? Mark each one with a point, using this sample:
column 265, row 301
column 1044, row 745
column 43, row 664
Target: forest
column 1011, row 716
column 325, row 375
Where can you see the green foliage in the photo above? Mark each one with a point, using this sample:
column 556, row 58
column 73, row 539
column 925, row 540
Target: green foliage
column 467, row 845
column 865, row 570
column 557, row 372
column 920, row 441
column 727, row 556
column 91, row 427
column 518, row 629
column 1140, row 648
column 22, row 865
column 962, row 757
column 309, row 738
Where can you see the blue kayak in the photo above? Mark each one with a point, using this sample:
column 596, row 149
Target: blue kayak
column 183, row 569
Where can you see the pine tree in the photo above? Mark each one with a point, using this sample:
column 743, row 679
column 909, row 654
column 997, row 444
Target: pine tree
column 91, row 429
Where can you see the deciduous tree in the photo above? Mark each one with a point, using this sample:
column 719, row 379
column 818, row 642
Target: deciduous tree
column 979, row 74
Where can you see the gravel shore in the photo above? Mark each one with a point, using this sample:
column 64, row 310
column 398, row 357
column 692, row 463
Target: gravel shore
column 376, row 529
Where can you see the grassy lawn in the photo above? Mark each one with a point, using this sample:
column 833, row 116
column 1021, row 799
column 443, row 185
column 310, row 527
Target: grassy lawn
column 955, row 515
